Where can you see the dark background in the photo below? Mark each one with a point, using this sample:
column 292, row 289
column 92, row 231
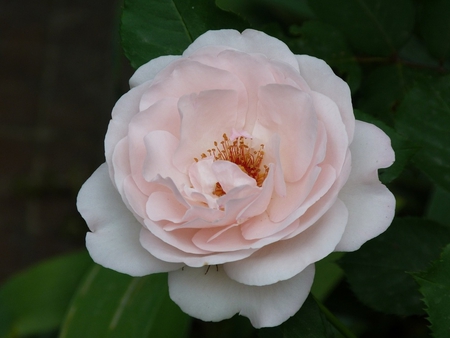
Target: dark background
column 61, row 71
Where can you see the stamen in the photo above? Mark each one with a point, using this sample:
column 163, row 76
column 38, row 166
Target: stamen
column 237, row 151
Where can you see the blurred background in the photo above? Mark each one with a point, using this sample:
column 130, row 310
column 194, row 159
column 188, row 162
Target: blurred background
column 61, row 71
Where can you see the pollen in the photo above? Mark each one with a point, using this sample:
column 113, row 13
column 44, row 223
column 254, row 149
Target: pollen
column 248, row 159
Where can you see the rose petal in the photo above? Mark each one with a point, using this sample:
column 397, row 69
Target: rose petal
column 114, row 240
column 214, row 297
column 320, row 78
column 165, row 206
column 205, row 117
column 230, row 176
column 160, row 146
column 149, row 70
column 284, row 259
column 370, row 204
column 280, row 108
column 184, row 77
column 124, row 110
column 337, row 145
column 250, row 41
column 169, row 253
column 180, row 238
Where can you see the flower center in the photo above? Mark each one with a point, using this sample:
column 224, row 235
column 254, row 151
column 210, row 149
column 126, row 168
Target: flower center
column 246, row 158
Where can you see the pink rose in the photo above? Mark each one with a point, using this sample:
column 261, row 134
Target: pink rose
column 241, row 156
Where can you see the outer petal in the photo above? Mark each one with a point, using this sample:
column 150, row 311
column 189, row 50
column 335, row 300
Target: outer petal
column 321, row 79
column 370, row 204
column 114, row 240
column 250, row 41
column 284, row 259
column 214, row 297
column 149, row 70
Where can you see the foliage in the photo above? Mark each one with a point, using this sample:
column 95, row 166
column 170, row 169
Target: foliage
column 395, row 55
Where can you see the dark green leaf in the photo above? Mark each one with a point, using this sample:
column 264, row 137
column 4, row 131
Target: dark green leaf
column 308, row 322
column 374, row 27
column 435, row 27
column 385, row 87
column 414, row 53
column 404, row 149
column 424, row 117
column 327, row 43
column 151, row 28
column 435, row 287
column 35, row 300
column 439, row 206
column 377, row 272
column 110, row 304
column 328, row 275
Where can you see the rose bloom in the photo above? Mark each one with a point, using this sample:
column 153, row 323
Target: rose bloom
column 234, row 167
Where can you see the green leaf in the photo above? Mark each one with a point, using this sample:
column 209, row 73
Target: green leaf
column 374, row 27
column 328, row 275
column 439, row 206
column 435, row 287
column 308, row 322
column 385, row 87
column 326, row 42
column 35, row 300
column 435, row 27
column 151, row 28
column 404, row 149
column 110, row 304
column 424, row 117
column 377, row 273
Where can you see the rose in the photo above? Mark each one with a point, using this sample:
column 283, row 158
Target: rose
column 240, row 155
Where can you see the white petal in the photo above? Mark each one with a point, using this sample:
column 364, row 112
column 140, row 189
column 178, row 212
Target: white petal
column 370, row 204
column 321, row 78
column 250, row 41
column 214, row 297
column 114, row 240
column 286, row 258
column 148, row 71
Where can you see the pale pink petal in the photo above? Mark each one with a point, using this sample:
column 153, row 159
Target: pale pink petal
column 124, row 110
column 250, row 41
column 370, row 204
column 114, row 240
column 148, row 71
column 165, row 206
column 162, row 115
column 120, row 159
column 321, row 78
column 296, row 192
column 230, row 176
column 317, row 209
column 205, row 117
column 226, row 240
column 134, row 198
column 180, row 239
column 337, row 145
column 322, row 186
column 214, row 297
column 184, row 77
column 289, row 112
column 286, row 258
column 160, row 146
column 169, row 253
column 272, row 155
column 205, row 217
column 202, row 176
column 259, row 205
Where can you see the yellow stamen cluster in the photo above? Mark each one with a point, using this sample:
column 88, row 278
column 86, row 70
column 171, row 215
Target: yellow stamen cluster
column 238, row 152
